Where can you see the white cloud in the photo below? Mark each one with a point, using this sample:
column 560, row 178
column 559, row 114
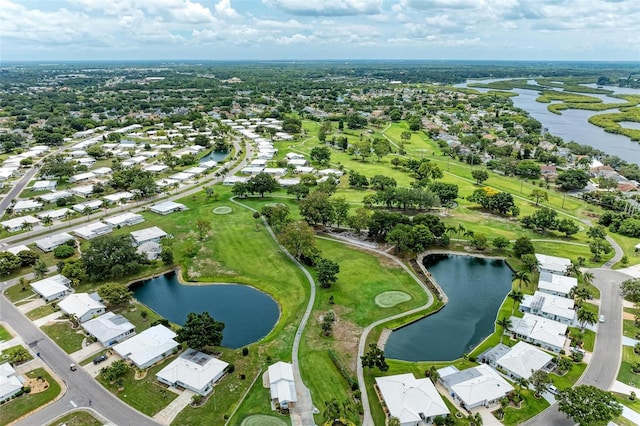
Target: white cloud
column 224, row 9
column 328, row 8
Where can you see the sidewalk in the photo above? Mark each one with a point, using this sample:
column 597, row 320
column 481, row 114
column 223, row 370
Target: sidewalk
column 49, row 318
column 86, row 352
column 170, row 412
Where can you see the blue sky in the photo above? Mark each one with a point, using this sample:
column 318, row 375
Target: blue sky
column 317, row 29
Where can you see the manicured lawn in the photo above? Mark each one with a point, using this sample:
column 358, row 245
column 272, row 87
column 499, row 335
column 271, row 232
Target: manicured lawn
column 568, row 380
column 41, row 311
column 26, row 403
column 133, row 313
column 64, row 336
column 78, row 418
column 530, row 406
column 629, row 328
column 257, row 402
column 4, row 354
column 625, row 375
column 4, row 334
column 145, row 395
column 16, row 293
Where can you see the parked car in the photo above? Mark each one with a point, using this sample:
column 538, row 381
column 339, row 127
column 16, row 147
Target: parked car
column 99, row 359
column 601, row 318
column 553, row 389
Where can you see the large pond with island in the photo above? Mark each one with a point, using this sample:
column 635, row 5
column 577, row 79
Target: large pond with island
column 475, row 287
column 248, row 314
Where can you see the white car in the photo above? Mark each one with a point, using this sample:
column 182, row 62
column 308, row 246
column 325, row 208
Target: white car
column 601, row 318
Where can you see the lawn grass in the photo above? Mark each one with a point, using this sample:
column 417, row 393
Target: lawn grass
column 133, row 312
column 77, row 418
column 530, row 406
column 570, row 378
column 4, row 334
column 26, row 403
column 4, row 354
column 15, row 293
column 145, row 395
column 625, row 375
column 64, row 336
column 629, row 328
column 257, row 401
column 41, row 311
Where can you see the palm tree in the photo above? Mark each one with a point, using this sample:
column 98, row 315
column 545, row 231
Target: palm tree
column 393, row 421
column 451, row 230
column 23, row 283
column 461, row 228
column 469, row 233
column 588, row 277
column 580, row 294
column 505, row 323
column 517, row 297
column 522, row 277
column 586, row 317
column 573, row 270
column 47, row 221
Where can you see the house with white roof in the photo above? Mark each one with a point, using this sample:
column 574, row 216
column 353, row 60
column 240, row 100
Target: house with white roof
column 163, row 183
column 288, row 182
column 294, row 156
column 519, row 361
column 252, row 170
column 475, row 387
column 54, row 214
column 142, row 236
column 54, row 196
column 282, row 384
column 167, row 207
column 298, row 162
column 552, row 264
column 17, row 223
column 119, row 197
column 26, row 205
column 83, row 306
column 329, row 172
column 558, row 285
column 155, row 168
column 193, row 370
column 304, row 169
column 17, row 249
column 49, row 243
column 82, row 176
column 181, row 176
column 195, row 171
column 148, row 347
column 44, row 185
column 412, row 401
column 547, row 333
column 550, row 306
column 82, row 190
column 52, row 288
column 209, row 164
column 232, row 180
column 10, row 384
column 124, row 219
column 102, row 171
column 92, row 230
column 109, row 328
column 274, row 171
column 92, row 204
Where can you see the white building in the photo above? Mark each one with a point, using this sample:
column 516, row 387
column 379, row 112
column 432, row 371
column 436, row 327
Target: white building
column 124, row 219
column 549, row 334
column 18, row 223
column 558, row 285
column 52, row 288
column 193, row 370
column 142, row 236
column 54, row 214
column 109, row 328
column 92, row 230
column 155, row 168
column 17, row 249
column 282, row 384
column 167, row 207
column 82, row 190
column 10, row 384
column 49, row 243
column 412, row 401
column 83, row 305
column 181, row 177
column 148, row 347
column 93, row 205
column 549, row 306
column 523, row 359
column 232, row 180
column 44, row 185
column 55, row 196
column 82, row 176
column 475, row 387
column 553, row 264
column 119, row 197
column 26, row 205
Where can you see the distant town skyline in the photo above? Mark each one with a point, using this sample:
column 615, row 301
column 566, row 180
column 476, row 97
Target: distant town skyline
column 574, row 30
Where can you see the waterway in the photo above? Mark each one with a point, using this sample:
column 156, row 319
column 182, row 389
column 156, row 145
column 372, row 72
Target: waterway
column 248, row 314
column 476, row 287
column 573, row 124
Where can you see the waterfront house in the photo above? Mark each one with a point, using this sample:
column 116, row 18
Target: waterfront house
column 148, row 347
column 109, row 329
column 193, row 370
column 83, row 306
column 282, row 384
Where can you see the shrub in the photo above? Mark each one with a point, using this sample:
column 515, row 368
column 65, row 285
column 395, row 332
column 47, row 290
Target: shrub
column 230, row 368
column 64, row 251
column 245, row 351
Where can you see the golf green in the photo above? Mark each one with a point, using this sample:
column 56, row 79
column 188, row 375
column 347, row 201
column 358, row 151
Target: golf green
column 262, row 420
column 389, row 299
column 222, row 210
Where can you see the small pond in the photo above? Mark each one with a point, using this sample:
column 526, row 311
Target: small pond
column 476, row 287
column 215, row 156
column 248, row 314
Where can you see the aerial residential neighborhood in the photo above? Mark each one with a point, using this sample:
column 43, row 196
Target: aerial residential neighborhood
column 366, row 244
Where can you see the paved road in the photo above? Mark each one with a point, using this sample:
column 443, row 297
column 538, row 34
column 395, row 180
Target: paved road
column 17, row 189
column 605, row 362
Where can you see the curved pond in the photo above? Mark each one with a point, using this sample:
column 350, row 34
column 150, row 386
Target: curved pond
column 215, row 156
column 476, row 287
column 248, row 314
